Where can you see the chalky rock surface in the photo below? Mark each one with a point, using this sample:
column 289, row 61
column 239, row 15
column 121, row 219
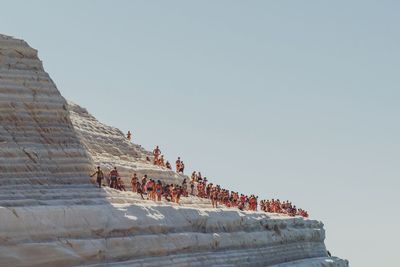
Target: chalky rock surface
column 110, row 148
column 51, row 215
column 38, row 144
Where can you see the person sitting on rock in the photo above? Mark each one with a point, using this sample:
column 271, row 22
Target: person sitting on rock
column 120, row 184
column 114, row 175
column 168, row 165
column 178, row 164
column 156, row 154
column 99, row 176
column 134, row 182
column 129, row 135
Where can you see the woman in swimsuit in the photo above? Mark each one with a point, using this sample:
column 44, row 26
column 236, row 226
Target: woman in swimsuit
column 159, row 188
column 134, row 182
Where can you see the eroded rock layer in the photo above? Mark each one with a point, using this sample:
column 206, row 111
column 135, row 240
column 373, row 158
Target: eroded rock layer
column 128, row 231
column 38, row 144
column 110, row 148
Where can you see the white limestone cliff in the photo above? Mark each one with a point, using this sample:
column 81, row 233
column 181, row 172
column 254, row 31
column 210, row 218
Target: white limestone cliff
column 52, row 215
column 110, row 148
column 38, row 144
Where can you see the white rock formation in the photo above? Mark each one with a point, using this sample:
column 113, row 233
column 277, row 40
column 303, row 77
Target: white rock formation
column 51, row 215
column 110, row 148
column 38, row 145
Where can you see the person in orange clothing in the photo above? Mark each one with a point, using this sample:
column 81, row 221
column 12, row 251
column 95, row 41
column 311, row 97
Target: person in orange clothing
column 120, row 184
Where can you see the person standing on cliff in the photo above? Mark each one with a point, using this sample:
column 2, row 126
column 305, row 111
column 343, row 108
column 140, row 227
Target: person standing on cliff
column 114, row 175
column 99, row 175
column 178, row 164
column 129, row 135
column 134, row 181
column 156, row 154
column 182, row 167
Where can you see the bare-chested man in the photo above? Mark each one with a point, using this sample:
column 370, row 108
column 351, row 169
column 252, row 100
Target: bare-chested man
column 134, row 181
column 156, row 154
column 99, row 175
column 113, row 176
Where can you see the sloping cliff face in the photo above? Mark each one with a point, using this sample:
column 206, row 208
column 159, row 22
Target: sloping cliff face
column 110, row 148
column 38, row 144
column 51, row 215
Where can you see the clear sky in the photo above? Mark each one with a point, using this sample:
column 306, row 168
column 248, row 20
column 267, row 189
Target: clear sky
column 294, row 100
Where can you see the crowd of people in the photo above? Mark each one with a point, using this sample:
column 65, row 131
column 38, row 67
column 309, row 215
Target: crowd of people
column 113, row 180
column 285, row 207
column 197, row 186
column 158, row 159
column 156, row 190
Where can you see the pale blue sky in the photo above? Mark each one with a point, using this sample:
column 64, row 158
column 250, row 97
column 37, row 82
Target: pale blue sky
column 287, row 99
